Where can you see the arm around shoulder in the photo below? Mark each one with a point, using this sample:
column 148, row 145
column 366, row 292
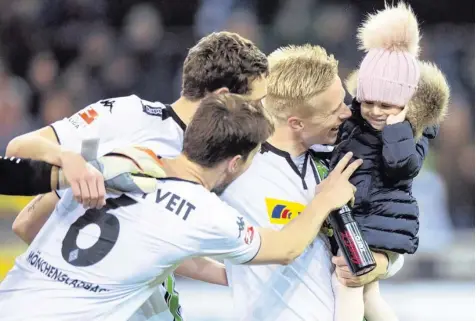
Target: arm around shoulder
column 284, row 246
column 333, row 192
column 41, row 144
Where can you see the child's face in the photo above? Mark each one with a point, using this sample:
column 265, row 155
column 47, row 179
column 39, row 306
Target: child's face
column 376, row 113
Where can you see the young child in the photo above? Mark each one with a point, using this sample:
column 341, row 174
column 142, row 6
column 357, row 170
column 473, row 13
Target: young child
column 398, row 104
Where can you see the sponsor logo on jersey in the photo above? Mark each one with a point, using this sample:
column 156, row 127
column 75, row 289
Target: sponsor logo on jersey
column 83, row 118
column 250, row 233
column 77, row 121
column 281, row 211
column 108, row 104
column 88, row 115
column 150, row 110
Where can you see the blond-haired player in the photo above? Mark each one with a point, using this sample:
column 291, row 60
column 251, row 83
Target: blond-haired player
column 305, row 98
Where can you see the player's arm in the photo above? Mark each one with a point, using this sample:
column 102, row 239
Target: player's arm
column 267, row 246
column 31, row 219
column 127, row 169
column 54, row 143
column 29, row 177
column 60, row 144
column 203, row 269
column 41, row 144
column 388, row 264
column 26, row 177
column 287, row 244
column 282, row 247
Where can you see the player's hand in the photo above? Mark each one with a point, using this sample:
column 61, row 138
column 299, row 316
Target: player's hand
column 130, row 169
column 398, row 118
column 335, row 189
column 86, row 182
column 345, row 276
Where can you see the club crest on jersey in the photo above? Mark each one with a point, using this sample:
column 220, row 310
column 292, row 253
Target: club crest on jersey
column 281, row 212
column 150, row 110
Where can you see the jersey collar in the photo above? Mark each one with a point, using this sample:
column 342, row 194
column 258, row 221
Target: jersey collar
column 267, row 147
column 177, row 179
column 170, row 112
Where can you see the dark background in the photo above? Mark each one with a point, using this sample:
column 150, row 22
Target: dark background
column 57, row 56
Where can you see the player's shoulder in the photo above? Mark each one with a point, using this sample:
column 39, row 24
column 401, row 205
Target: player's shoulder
column 225, row 217
column 214, row 211
column 207, row 200
column 132, row 102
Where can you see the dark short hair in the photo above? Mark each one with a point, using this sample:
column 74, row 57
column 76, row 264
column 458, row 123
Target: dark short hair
column 222, row 59
column 224, row 126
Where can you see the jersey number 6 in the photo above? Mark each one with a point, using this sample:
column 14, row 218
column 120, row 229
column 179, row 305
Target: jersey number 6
column 109, row 232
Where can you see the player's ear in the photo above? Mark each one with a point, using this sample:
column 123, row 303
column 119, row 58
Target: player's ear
column 295, row 123
column 234, row 164
column 222, row 90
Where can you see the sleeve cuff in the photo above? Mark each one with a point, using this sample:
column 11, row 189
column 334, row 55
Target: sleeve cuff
column 56, row 133
column 397, row 132
column 395, row 263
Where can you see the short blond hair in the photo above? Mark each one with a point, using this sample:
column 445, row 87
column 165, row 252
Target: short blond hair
column 297, row 74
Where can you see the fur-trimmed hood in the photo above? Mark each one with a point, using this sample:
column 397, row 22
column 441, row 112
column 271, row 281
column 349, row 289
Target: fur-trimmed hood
column 429, row 104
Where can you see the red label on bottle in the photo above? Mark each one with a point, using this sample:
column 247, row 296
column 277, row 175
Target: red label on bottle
column 351, row 246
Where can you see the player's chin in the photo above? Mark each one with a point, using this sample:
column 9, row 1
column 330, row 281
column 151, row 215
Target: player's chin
column 332, row 136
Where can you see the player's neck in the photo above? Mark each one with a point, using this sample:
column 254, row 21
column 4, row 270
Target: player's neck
column 284, row 140
column 181, row 167
column 185, row 109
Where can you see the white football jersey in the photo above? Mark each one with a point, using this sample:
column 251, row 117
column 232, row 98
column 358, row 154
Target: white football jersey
column 124, row 121
column 301, row 290
column 121, row 122
column 104, row 264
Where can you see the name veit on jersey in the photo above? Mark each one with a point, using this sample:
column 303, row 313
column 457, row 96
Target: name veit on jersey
column 104, row 264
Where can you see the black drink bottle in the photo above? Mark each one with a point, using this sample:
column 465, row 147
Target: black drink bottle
column 349, row 238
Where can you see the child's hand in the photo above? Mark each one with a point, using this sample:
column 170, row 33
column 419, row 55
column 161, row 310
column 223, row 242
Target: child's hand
column 398, row 118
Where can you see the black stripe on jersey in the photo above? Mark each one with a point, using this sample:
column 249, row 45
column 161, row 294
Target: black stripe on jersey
column 177, row 179
column 267, row 147
column 56, row 134
column 322, row 156
column 314, row 171
column 169, row 112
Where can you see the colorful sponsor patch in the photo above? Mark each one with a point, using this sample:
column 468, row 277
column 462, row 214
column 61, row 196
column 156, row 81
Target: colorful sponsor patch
column 83, row 118
column 282, row 212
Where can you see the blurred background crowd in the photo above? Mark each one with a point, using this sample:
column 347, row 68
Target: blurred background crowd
column 58, row 56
